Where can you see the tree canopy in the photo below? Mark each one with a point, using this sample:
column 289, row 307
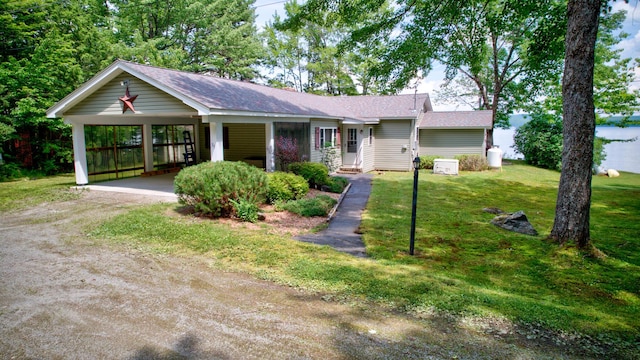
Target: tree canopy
column 307, row 55
column 501, row 51
column 47, row 49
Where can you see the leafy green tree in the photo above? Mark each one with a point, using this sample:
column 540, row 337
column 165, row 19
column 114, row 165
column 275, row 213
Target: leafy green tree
column 541, row 141
column 284, row 56
column 504, row 49
column 207, row 36
column 613, row 74
column 307, row 56
column 21, row 23
column 523, row 51
column 36, row 77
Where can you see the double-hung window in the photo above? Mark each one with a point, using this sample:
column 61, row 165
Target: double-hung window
column 328, row 137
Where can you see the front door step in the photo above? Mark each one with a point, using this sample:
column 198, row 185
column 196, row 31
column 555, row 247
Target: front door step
column 349, row 170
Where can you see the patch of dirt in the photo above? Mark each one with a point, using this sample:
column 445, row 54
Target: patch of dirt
column 65, row 296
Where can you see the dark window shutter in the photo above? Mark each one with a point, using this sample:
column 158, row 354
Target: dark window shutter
column 338, row 143
column 317, row 138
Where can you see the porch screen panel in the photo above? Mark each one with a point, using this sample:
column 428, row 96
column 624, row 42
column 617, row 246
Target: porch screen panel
column 129, row 152
column 113, row 152
column 290, row 130
column 168, row 145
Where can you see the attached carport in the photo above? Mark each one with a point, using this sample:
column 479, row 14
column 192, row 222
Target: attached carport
column 132, row 99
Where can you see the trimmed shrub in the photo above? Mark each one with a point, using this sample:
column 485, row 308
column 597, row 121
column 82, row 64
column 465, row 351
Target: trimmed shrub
column 209, row 187
column 426, row 162
column 473, row 162
column 284, row 186
column 335, row 184
column 318, row 206
column 316, row 174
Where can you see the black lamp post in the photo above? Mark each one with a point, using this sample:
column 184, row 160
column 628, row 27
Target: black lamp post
column 416, row 165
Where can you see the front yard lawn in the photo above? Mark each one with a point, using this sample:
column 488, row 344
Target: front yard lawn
column 464, row 267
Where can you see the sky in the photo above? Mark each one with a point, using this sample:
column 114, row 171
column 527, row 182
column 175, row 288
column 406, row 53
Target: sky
column 431, row 83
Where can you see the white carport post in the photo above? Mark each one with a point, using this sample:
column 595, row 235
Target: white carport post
column 79, row 154
column 147, row 141
column 270, row 158
column 215, row 134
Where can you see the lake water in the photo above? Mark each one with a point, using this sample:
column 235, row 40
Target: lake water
column 622, row 156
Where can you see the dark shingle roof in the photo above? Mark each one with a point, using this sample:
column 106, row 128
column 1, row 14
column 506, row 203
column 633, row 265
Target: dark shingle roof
column 225, row 94
column 456, row 119
column 379, row 107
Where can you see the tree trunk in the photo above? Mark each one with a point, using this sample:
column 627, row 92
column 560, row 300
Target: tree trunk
column 571, row 221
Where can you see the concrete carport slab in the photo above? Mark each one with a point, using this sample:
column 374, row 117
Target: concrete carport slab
column 159, row 185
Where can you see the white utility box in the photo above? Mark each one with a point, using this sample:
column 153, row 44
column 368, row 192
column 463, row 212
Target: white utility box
column 445, row 166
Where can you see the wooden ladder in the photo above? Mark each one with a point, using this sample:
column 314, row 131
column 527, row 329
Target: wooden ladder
column 190, row 153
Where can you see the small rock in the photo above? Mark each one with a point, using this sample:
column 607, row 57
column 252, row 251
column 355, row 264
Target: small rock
column 261, row 217
column 493, row 210
column 612, row 173
column 517, row 222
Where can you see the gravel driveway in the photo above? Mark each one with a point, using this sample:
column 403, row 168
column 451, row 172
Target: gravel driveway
column 63, row 296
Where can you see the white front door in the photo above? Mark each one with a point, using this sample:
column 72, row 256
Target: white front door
column 352, row 157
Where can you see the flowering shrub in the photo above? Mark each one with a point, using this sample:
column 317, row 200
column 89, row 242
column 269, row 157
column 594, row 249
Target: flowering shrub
column 286, row 151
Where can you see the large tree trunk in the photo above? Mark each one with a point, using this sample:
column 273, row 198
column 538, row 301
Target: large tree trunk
column 571, row 222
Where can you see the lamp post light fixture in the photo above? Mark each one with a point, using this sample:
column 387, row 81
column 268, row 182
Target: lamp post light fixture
column 416, row 165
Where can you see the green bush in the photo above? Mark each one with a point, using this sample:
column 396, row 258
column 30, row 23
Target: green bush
column 209, row 187
column 9, row 171
column 426, row 161
column 335, row 184
column 245, row 210
column 540, row 141
column 318, row 206
column 599, row 155
column 316, row 174
column 286, row 186
column 473, row 162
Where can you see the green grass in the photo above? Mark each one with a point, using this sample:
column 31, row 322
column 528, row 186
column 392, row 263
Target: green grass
column 463, row 264
column 481, row 269
column 26, row 192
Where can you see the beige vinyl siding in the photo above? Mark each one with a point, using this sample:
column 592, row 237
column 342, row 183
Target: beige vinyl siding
column 368, row 151
column 245, row 141
column 449, row 143
column 390, row 138
column 316, row 155
column 150, row 100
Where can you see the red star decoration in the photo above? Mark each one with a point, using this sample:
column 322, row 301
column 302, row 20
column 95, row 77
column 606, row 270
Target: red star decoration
column 127, row 101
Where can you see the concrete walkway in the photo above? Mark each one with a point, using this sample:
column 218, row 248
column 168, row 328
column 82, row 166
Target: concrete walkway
column 341, row 234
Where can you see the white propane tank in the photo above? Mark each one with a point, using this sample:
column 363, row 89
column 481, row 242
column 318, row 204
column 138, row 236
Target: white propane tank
column 494, row 157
